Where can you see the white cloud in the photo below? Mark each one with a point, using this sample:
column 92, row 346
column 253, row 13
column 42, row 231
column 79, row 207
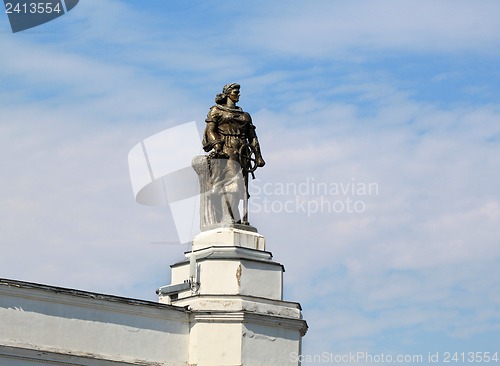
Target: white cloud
column 434, row 217
column 68, row 213
column 326, row 29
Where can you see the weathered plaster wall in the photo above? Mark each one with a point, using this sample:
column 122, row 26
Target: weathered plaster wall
column 64, row 321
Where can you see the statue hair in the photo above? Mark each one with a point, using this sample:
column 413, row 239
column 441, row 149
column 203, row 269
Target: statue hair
column 221, row 98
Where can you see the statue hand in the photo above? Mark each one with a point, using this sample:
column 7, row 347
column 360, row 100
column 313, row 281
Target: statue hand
column 260, row 162
column 218, row 147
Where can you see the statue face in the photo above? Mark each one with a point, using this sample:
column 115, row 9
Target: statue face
column 234, row 95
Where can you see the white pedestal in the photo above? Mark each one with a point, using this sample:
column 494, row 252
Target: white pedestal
column 234, row 291
column 229, row 237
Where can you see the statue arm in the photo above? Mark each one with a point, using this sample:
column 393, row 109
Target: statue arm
column 212, row 139
column 254, row 142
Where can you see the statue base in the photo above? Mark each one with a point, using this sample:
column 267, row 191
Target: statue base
column 232, row 236
column 231, row 225
column 234, row 291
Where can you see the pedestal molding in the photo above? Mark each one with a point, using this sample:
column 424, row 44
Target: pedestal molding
column 248, row 317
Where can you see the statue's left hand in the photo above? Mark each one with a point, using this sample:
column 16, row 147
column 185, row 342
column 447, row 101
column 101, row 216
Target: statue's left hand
column 260, row 162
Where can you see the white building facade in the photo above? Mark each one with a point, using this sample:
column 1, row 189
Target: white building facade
column 223, row 308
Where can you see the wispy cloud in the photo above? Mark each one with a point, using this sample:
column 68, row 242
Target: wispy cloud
column 325, row 29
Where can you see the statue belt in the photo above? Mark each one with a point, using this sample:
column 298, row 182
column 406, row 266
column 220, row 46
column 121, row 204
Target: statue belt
column 228, row 134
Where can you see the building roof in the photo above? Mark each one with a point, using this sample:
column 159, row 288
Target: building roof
column 87, row 294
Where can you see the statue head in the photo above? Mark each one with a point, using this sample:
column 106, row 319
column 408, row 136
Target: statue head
column 231, row 91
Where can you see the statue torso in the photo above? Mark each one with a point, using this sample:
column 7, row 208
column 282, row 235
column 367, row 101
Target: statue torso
column 230, row 121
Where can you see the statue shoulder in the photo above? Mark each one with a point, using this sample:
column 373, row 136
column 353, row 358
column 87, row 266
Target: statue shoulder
column 214, row 114
column 248, row 119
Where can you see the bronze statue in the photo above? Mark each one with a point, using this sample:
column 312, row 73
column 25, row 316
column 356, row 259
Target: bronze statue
column 234, row 153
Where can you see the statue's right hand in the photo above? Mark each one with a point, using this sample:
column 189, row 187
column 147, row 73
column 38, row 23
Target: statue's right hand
column 218, row 147
column 260, row 162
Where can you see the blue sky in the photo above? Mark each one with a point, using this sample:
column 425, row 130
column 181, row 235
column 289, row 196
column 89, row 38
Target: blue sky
column 402, row 94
